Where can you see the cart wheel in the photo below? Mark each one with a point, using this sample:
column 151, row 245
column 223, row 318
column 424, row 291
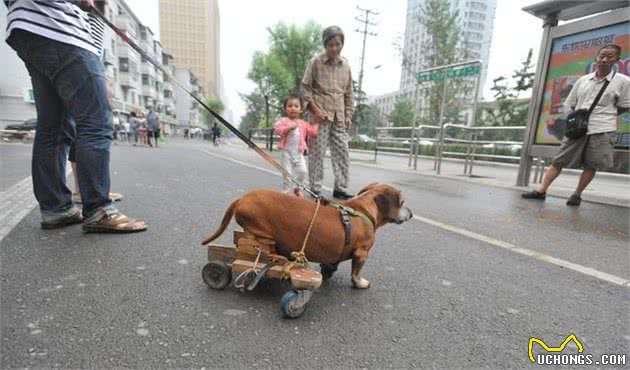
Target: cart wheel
column 216, row 274
column 294, row 303
column 327, row 271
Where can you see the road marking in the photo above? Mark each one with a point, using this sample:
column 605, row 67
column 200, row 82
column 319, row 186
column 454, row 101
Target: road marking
column 241, row 162
column 528, row 252
column 16, row 202
column 486, row 239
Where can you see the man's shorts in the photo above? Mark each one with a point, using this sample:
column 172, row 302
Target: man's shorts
column 594, row 151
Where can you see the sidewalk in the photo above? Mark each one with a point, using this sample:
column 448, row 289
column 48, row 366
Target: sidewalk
column 606, row 188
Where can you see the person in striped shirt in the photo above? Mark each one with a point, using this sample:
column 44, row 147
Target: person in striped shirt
column 60, row 46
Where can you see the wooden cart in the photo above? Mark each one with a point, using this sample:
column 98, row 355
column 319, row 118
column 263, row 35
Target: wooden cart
column 251, row 259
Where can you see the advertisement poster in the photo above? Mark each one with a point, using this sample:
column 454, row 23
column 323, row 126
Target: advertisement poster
column 572, row 57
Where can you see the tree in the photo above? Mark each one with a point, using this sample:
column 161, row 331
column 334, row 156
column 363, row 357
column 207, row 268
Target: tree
column 366, row 118
column 255, row 108
column 509, row 109
column 361, row 110
column 216, row 105
column 272, row 80
column 441, row 48
column 295, row 46
column 278, row 72
column 402, row 116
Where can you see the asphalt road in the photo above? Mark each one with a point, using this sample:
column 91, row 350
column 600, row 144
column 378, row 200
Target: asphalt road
column 449, row 289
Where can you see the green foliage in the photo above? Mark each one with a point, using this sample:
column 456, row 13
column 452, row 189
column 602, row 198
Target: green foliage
column 508, row 109
column 254, row 116
column 295, row 46
column 216, row 105
column 441, row 48
column 366, row 118
column 402, row 115
column 279, row 71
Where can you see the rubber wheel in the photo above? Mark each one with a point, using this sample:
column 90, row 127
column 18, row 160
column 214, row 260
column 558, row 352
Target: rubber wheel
column 216, row 274
column 327, row 271
column 292, row 308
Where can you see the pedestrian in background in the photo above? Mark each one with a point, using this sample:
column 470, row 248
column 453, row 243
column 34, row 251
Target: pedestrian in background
column 152, row 126
column 216, row 134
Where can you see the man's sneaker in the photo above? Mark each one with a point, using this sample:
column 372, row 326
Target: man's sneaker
column 71, row 217
column 574, row 200
column 339, row 194
column 534, row 194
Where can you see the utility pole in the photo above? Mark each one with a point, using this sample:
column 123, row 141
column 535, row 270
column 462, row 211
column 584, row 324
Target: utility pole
column 365, row 19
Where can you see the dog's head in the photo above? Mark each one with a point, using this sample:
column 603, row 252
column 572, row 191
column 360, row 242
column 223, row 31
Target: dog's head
column 389, row 202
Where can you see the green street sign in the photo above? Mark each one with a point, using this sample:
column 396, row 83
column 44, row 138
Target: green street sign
column 447, row 74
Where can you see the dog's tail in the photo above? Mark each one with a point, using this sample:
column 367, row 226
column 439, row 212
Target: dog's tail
column 226, row 221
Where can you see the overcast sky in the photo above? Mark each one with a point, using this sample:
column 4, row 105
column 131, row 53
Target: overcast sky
column 244, row 24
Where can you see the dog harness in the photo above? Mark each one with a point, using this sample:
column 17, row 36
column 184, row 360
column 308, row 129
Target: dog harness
column 346, row 214
column 346, row 217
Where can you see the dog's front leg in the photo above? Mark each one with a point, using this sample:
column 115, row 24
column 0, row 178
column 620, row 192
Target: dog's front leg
column 358, row 260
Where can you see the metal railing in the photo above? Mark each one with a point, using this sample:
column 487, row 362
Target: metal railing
column 265, row 135
column 471, row 145
column 413, row 142
column 442, row 140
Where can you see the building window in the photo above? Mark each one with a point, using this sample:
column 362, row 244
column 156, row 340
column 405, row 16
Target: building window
column 476, row 16
column 478, row 5
column 123, row 64
column 475, row 26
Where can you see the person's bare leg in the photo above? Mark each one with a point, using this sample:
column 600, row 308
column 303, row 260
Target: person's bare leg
column 585, row 178
column 75, row 189
column 552, row 172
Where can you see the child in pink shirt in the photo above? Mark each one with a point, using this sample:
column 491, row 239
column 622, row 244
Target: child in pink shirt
column 293, row 133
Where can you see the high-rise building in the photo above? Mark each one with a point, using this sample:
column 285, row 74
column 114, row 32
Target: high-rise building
column 190, row 30
column 476, row 27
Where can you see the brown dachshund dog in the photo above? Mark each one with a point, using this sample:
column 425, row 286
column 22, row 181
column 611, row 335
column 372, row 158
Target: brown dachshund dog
column 285, row 219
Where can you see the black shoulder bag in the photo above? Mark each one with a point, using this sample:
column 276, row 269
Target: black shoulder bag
column 576, row 122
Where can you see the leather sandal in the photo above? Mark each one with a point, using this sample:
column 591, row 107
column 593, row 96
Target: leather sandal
column 116, row 223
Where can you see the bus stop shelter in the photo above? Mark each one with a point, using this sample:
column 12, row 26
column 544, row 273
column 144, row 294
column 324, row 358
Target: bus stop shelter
column 567, row 52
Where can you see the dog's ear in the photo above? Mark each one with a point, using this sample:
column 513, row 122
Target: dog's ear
column 368, row 187
column 388, row 204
